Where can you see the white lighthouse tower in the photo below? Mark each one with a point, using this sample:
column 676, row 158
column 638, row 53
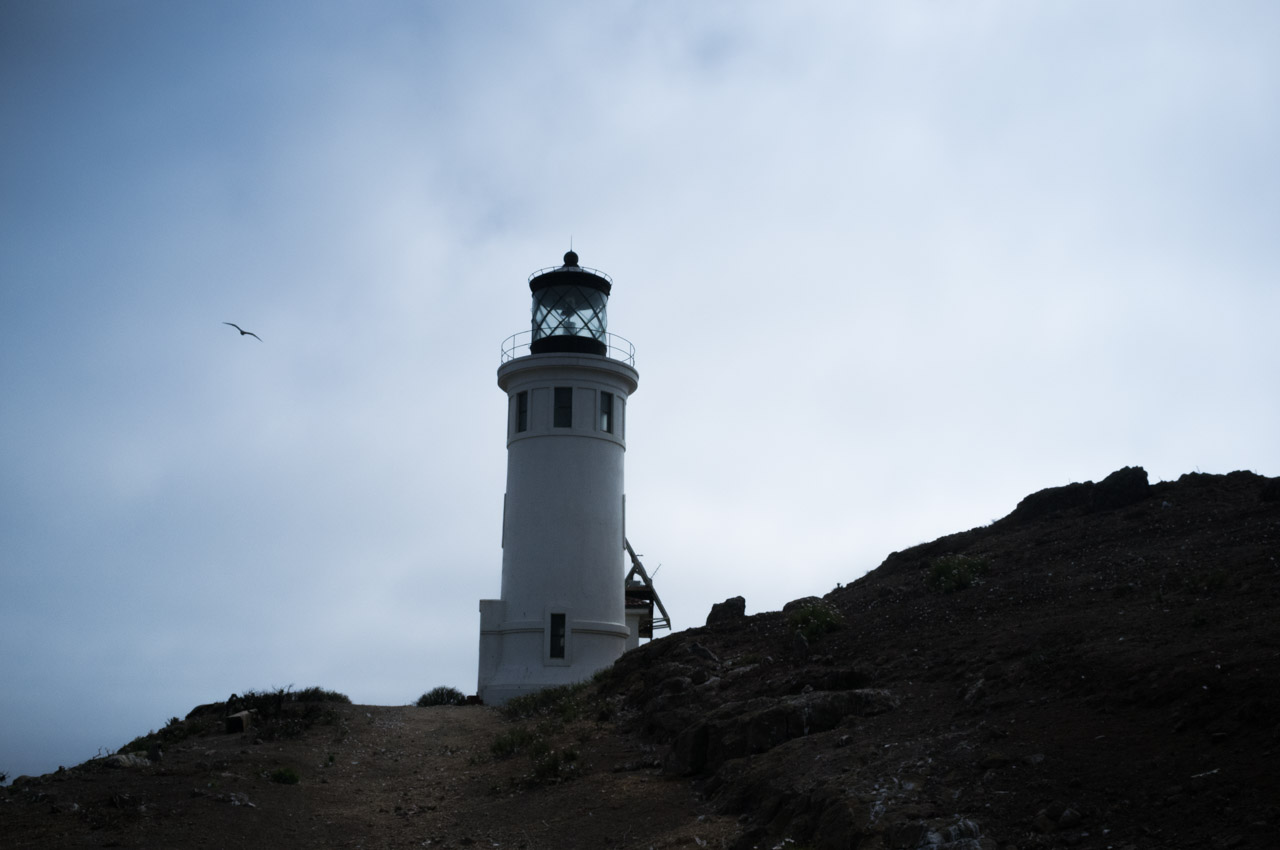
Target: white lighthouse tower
column 563, row 611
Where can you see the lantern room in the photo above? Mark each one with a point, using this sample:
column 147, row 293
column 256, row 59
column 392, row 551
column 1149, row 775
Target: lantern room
column 569, row 309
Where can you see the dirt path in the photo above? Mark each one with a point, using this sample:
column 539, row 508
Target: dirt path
column 375, row 777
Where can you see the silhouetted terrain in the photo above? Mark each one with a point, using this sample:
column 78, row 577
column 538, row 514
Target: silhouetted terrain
column 1099, row 669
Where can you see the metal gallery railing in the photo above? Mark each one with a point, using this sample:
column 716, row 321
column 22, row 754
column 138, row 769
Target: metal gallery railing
column 616, row 347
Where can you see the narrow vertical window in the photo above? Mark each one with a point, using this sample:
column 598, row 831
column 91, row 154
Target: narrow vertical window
column 563, row 408
column 522, row 412
column 606, row 412
column 557, row 635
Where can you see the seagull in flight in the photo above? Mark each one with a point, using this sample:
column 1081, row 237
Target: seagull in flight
column 243, row 332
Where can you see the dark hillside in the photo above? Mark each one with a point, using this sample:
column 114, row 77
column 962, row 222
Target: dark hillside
column 1099, row 669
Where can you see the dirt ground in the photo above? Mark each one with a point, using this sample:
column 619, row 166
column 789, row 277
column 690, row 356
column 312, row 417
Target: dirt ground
column 368, row 777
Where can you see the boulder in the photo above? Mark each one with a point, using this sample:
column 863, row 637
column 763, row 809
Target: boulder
column 1120, row 488
column 802, row 602
column 700, row 651
column 727, row 611
column 1051, row 500
column 758, row 725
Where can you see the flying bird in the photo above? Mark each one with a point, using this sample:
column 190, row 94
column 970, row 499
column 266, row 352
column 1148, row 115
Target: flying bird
column 244, row 332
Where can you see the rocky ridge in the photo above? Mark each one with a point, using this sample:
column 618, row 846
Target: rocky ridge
column 1100, row 668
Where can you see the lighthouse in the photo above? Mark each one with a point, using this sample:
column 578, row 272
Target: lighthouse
column 565, row 601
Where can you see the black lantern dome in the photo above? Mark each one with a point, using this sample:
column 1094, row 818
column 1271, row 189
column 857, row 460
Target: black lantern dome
column 569, row 304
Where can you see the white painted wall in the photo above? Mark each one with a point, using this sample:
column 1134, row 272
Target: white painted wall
column 563, row 528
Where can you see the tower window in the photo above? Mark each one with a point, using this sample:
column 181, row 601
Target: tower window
column 522, row 412
column 606, row 412
column 563, row 408
column 557, row 635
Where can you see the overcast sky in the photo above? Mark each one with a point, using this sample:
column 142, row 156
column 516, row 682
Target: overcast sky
column 888, row 268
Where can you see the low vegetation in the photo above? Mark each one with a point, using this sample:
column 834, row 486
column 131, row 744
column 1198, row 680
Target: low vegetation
column 548, row 762
column 564, row 703
column 441, row 695
column 548, row 717
column 518, row 740
column 315, row 694
column 277, row 713
column 555, row 765
column 815, row 620
column 950, row 573
column 286, row 776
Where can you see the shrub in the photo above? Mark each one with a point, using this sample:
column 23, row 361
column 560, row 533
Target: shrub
column 551, row 710
column 554, row 765
column 815, row 620
column 441, row 695
column 286, row 776
column 950, row 573
column 283, row 712
column 314, row 694
column 510, row 743
column 275, row 702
